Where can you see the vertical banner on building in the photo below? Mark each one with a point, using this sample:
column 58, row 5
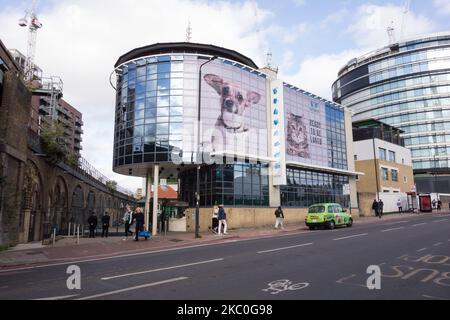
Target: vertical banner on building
column 278, row 151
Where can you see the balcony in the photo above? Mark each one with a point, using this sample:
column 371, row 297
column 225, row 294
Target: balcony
column 78, row 130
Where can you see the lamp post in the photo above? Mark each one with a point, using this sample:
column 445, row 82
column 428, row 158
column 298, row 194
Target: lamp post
column 199, row 158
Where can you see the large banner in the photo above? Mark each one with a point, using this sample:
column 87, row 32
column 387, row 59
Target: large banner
column 278, row 150
column 306, row 140
column 233, row 112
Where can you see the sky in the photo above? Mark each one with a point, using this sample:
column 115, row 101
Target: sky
column 310, row 40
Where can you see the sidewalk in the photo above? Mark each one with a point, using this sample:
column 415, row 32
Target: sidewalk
column 67, row 250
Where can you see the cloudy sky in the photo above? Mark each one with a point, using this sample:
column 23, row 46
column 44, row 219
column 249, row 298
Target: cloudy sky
column 310, row 40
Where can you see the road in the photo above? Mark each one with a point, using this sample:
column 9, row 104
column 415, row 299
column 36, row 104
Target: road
column 413, row 255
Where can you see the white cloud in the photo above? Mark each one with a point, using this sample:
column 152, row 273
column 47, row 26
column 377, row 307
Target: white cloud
column 317, row 74
column 290, row 35
column 334, row 18
column 298, row 3
column 442, row 6
column 369, row 29
column 81, row 41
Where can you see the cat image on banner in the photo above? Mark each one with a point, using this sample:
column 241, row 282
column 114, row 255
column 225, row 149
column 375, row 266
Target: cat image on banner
column 297, row 136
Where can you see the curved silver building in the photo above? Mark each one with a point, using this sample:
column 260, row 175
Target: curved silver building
column 406, row 85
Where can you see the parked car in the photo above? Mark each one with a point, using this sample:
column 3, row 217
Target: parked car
column 327, row 215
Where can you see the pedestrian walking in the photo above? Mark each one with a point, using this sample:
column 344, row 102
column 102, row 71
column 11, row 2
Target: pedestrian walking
column 375, row 207
column 222, row 216
column 399, row 205
column 128, row 219
column 434, row 203
column 92, row 221
column 139, row 219
column 279, row 217
column 215, row 219
column 439, row 205
column 105, row 224
column 380, row 208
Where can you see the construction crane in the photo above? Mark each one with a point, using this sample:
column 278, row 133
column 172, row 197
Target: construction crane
column 391, row 33
column 406, row 9
column 31, row 21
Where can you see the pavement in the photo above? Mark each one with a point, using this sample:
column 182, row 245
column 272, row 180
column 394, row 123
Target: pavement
column 411, row 253
column 66, row 249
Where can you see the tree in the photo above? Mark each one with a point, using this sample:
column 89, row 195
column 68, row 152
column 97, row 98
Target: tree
column 53, row 142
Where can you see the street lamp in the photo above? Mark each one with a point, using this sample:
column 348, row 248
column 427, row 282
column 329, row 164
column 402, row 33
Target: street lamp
column 199, row 159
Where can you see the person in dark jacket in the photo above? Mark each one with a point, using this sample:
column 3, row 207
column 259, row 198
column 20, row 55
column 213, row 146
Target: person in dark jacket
column 222, row 216
column 140, row 220
column 375, row 207
column 92, row 221
column 279, row 217
column 380, row 208
column 105, row 225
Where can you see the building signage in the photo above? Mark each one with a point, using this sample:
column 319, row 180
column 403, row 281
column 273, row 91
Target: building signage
column 306, row 137
column 277, row 133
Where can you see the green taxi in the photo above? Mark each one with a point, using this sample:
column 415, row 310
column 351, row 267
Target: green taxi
column 327, row 215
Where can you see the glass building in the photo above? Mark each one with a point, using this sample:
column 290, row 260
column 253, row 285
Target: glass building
column 406, row 85
column 262, row 142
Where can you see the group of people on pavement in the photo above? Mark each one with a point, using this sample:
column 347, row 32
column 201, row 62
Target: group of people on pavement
column 437, row 204
column 130, row 217
column 377, row 206
column 219, row 218
column 92, row 221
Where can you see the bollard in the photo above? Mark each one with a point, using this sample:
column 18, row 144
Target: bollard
column 78, row 234
column 68, row 232
column 166, row 223
column 54, row 236
column 82, row 230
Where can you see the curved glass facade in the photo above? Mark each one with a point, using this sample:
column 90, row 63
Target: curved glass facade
column 406, row 86
column 156, row 111
column 250, row 123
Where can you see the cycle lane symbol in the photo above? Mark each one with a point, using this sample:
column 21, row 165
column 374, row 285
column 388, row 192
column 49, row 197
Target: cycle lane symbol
column 282, row 285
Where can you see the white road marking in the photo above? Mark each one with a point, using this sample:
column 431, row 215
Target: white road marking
column 390, row 224
column 431, row 297
column 341, row 281
column 440, row 220
column 94, row 258
column 420, row 250
column 356, row 235
column 58, row 298
column 392, row 229
column 437, row 244
column 419, row 224
column 133, row 288
column 162, row 269
column 285, row 248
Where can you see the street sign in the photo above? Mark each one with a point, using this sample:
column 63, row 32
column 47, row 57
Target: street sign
column 346, row 189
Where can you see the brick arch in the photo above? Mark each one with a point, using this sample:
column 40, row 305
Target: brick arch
column 60, row 204
column 77, row 205
column 32, row 212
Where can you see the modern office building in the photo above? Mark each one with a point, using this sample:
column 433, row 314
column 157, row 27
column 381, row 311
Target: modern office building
column 263, row 143
column 407, row 85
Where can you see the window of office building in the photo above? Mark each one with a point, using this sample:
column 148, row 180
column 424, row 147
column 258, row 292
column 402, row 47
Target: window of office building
column 239, row 184
column 394, row 174
column 382, row 153
column 305, row 188
column 384, row 174
column 392, row 156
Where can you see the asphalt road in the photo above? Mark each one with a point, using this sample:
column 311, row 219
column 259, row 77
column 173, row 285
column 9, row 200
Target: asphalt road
column 412, row 254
